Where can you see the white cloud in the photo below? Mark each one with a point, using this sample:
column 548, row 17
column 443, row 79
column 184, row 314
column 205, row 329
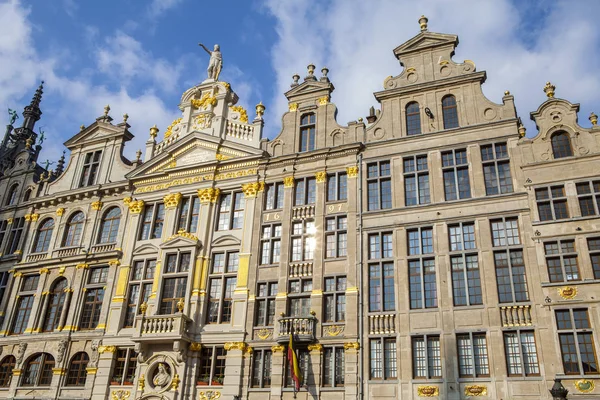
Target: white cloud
column 157, row 7
column 355, row 39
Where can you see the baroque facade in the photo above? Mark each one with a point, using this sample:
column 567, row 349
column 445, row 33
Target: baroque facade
column 431, row 251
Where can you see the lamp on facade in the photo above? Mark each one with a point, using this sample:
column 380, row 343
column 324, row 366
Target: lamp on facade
column 558, row 391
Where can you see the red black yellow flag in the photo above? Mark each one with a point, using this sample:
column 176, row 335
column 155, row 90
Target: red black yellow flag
column 294, row 367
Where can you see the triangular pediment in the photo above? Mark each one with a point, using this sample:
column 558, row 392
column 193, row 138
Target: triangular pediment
column 99, row 131
column 310, row 87
column 426, row 40
column 181, row 239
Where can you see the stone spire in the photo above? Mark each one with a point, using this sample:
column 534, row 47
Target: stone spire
column 60, row 165
column 32, row 112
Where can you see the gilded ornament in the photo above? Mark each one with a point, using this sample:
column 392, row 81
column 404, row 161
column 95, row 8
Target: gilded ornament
column 423, row 23
column 27, row 217
column 154, row 132
column 288, row 182
column 264, row 334
column 352, row 171
column 323, row 100
column 522, row 130
column 208, row 195
column 114, row 263
column 17, row 372
column 35, row 217
column 175, row 382
column 315, row 347
column 242, row 111
column 321, row 177
column 169, row 130
column 180, row 304
column 97, row 205
column 250, row 189
column 195, row 346
column 506, row 93
column 58, row 371
column 334, row 330
column 226, row 84
column 172, row 200
column 260, row 110
column 585, row 385
column 593, row 119
column 136, row 206
column 209, row 395
column 61, row 271
column 428, row 391
column 44, row 271
column 475, row 390
column 277, row 348
column 567, row 292
column 203, row 121
column 549, row 89
column 184, row 234
column 352, row 346
column 141, row 382
column 143, row 308
column 205, row 101
column 18, row 252
column 235, row 346
column 106, row 349
column 9, row 220
column 120, row 394
column 60, row 211
column 293, row 107
column 82, row 266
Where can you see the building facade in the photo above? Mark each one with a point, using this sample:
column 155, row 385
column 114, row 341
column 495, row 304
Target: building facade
column 431, row 251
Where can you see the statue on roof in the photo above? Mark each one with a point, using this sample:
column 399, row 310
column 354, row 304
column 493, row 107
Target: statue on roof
column 215, row 63
column 13, row 116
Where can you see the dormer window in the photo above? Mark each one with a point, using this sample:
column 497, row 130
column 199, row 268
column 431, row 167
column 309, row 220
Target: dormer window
column 413, row 119
column 307, row 132
column 449, row 112
column 90, row 168
column 561, row 145
column 12, row 195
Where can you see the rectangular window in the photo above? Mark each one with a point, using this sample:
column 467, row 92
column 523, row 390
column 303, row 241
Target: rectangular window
column 303, row 358
column 552, row 203
column 462, row 236
column 496, row 169
column 274, row 196
column 299, row 297
column 505, row 232
column 510, row 276
column 22, row 313
column 231, row 211
column 333, row 366
column 455, row 169
column 307, row 132
column 336, row 237
column 211, row 369
column 91, row 164
column 416, row 180
column 588, row 194
column 261, row 368
column 3, row 284
column 270, row 250
column 594, row 250
column 335, row 299
column 521, row 353
column 561, row 259
column 466, row 281
column 188, row 213
column 140, row 288
column 426, row 357
column 14, row 238
column 125, row 366
column 337, row 186
column 305, row 191
column 379, row 185
column 381, row 273
column 222, row 283
column 303, row 240
column 383, row 358
column 576, row 342
column 421, row 268
column 152, row 221
column 472, row 355
column 3, row 230
column 265, row 304
column 93, row 298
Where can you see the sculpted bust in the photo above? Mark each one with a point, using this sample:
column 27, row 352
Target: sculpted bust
column 162, row 377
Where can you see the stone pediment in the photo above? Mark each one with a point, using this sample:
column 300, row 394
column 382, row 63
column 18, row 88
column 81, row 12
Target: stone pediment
column 181, row 239
column 99, row 131
column 426, row 40
column 145, row 249
column 309, row 90
column 227, row 240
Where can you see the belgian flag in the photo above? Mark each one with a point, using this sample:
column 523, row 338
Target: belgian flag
column 294, row 367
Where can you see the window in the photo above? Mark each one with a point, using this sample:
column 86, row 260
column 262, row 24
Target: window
column 93, row 298
column 379, row 185
column 381, row 273
column 335, row 299
column 466, row 280
column 496, row 169
column 561, row 145
column 421, row 268
column 125, row 366
column 303, row 240
column 383, row 358
column 299, row 297
column 140, row 288
column 594, row 248
column 261, row 368
column 265, row 304
column 413, row 119
column 552, row 203
column 305, row 191
column 174, row 288
column 189, row 210
column 16, row 231
column 336, row 237
column 77, row 369
column 6, row 370
column 505, row 232
column 212, row 366
column 29, row 286
column 337, row 186
column 416, row 180
column 576, row 342
column 3, row 230
column 11, row 199
column 449, row 112
column 152, row 221
column 223, row 280
column 3, row 285
column 472, row 355
column 521, row 353
column 73, row 229
column 510, row 276
column 307, row 132
column 27, row 195
column 44, row 234
column 588, row 194
column 270, row 252
column 109, row 226
column 302, row 356
column 90, row 168
column 561, row 259
column 274, row 196
column 333, row 366
column 426, row 357
column 231, row 211
column 38, row 370
column 56, row 303
column 456, row 174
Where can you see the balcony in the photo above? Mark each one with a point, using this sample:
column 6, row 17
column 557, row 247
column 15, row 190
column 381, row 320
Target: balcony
column 303, row 328
column 515, row 315
column 382, row 324
column 37, row 257
column 303, row 212
column 103, row 248
column 162, row 328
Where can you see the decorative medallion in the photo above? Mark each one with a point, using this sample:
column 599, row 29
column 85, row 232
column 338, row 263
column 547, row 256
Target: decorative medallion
column 428, row 391
column 475, row 390
column 210, row 395
column 277, row 348
column 264, row 334
column 235, row 346
column 204, row 121
column 106, row 349
column 169, row 130
column 567, row 292
column 242, row 111
column 585, row 385
column 120, row 394
column 334, row 330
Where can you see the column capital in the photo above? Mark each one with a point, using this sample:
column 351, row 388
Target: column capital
column 321, row 176
column 172, row 200
column 352, row 171
column 135, row 206
column 251, row 189
column 97, row 205
column 235, row 346
column 288, row 182
column 209, row 195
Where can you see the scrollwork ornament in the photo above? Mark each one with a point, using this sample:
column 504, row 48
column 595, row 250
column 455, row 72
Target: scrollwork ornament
column 334, row 330
column 475, row 390
column 264, row 334
column 210, row 395
column 120, row 394
column 428, row 391
column 585, row 385
column 21, row 352
column 568, row 292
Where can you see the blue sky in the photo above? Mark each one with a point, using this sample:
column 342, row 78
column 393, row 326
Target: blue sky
column 140, row 56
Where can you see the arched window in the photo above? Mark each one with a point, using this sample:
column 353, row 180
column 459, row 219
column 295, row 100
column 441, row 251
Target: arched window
column 77, row 369
column 73, row 229
column 38, row 370
column 109, row 227
column 413, row 119
column 6, row 370
column 449, row 112
column 561, row 145
column 44, row 234
column 56, row 303
column 307, row 132
column 27, row 195
column 12, row 195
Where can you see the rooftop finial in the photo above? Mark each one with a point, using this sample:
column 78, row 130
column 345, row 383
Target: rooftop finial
column 125, row 117
column 37, row 97
column 138, row 156
column 153, row 132
column 260, row 110
column 549, row 89
column 295, row 79
column 311, row 73
column 423, row 23
column 593, row 119
column 106, row 110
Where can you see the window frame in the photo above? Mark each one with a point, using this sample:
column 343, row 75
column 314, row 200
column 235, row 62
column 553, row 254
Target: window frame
column 43, row 374
column 305, row 191
column 24, row 306
column 181, row 282
column 337, row 186
column 456, row 168
column 523, row 364
column 216, row 361
column 228, row 217
column 270, row 244
column 423, row 256
column 43, row 236
column 576, row 333
column 152, row 217
column 111, row 225
column 592, row 194
column 262, row 368
column 413, row 119
column 302, row 244
column 492, row 168
column 125, row 362
column 73, row 229
column 563, row 149
column 334, row 365
column 7, row 365
column 77, row 373
column 265, row 300
column 145, row 281
column 90, row 167
column 12, row 195
column 561, row 255
column 308, row 135
column 474, row 364
column 379, row 185
column 467, row 277
column 412, row 169
column 384, row 365
column 430, row 370
column 593, row 244
column 381, row 261
column 188, row 214
column 334, row 299
column 96, row 304
column 15, row 235
column 450, row 112
column 300, row 300
column 339, row 233
column 274, row 196
column 54, row 309
column 552, row 203
column 227, row 285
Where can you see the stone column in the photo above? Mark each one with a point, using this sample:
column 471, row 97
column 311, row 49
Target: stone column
column 40, row 322
column 78, row 288
column 277, row 371
column 353, row 270
column 476, row 177
column 351, row 373
column 101, row 388
column 232, row 382
column 436, row 177
column 313, row 380
column 65, row 310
